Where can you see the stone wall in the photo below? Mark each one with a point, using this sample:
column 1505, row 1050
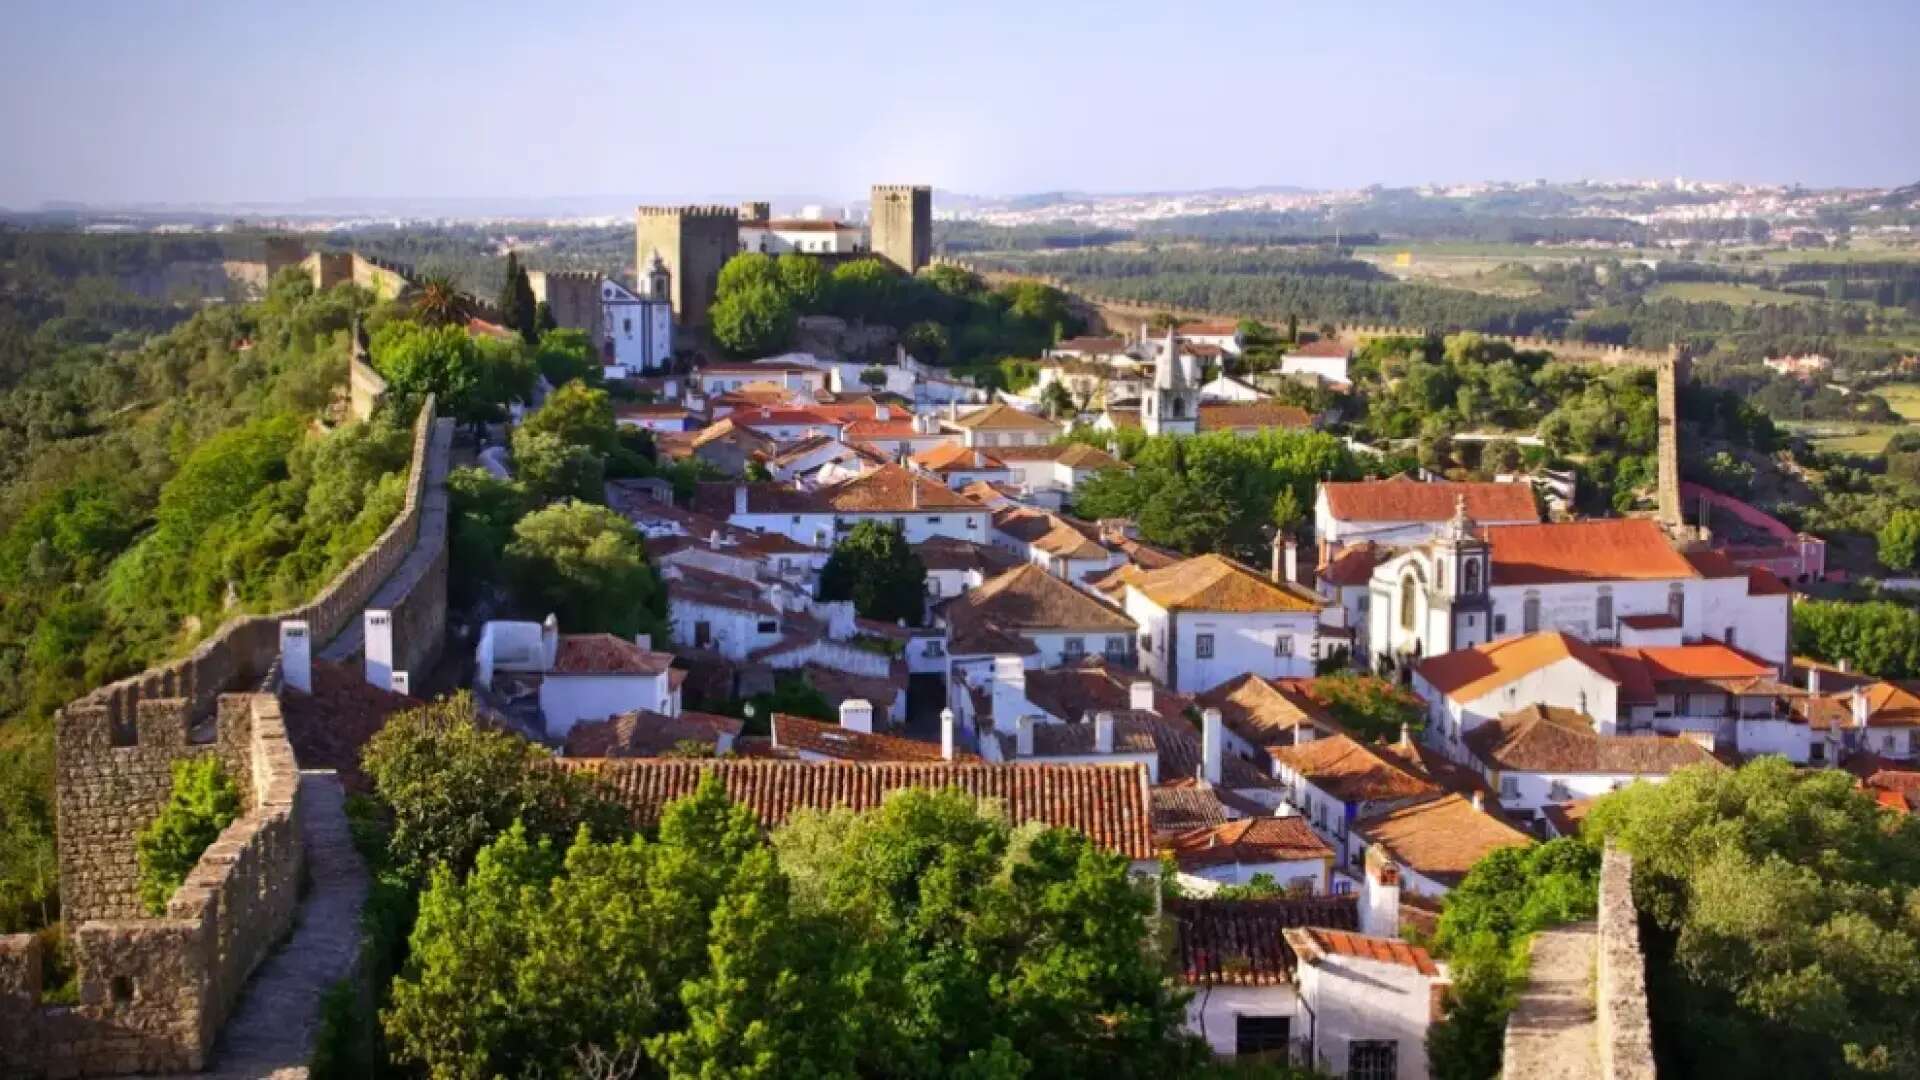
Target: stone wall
column 1620, row 976
column 694, row 242
column 241, row 651
column 154, row 992
column 366, row 388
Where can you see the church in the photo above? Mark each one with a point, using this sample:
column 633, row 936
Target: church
column 1472, row 585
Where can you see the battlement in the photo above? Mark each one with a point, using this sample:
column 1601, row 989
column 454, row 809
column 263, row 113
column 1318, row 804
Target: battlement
column 729, row 213
column 590, row 276
column 902, row 189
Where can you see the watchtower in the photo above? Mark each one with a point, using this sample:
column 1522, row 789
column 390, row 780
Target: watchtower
column 693, row 243
column 902, row 226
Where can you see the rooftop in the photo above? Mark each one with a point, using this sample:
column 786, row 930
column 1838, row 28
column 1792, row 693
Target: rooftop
column 1243, row 942
column 1440, row 839
column 1003, row 417
column 1266, row 712
column 1108, row 803
column 1057, row 535
column 1545, row 739
column 645, row 733
column 1612, row 549
column 1351, row 771
column 1247, row 415
column 1029, row 598
column 1217, row 583
column 1309, row 941
column 605, row 654
column 831, row 740
column 1249, row 840
column 1402, row 498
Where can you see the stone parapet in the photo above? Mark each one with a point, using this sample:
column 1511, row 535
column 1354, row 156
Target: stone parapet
column 1620, row 976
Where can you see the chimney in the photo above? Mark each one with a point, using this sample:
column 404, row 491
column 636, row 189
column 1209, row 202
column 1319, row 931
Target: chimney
column 1380, row 895
column 1845, row 665
column 1406, row 735
column 549, row 642
column 1277, row 565
column 1813, row 679
column 713, row 538
column 1859, row 702
column 1146, row 332
column 377, row 626
column 1303, row 733
column 739, row 499
column 1293, row 560
column 1103, row 733
column 881, row 412
column 1479, row 800
column 1023, row 738
column 857, row 715
column 1211, row 736
column 402, row 683
column 947, row 734
column 645, row 641
column 1140, row 695
column 296, row 655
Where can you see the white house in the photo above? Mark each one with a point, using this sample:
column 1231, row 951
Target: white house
column 1473, row 585
column 1000, row 425
column 1225, row 388
column 813, row 236
column 1326, row 360
column 1030, row 612
column 1372, row 1000
column 1402, row 511
column 1222, row 334
column 1284, row 848
column 573, row 677
column 730, row 615
column 1050, row 474
column 958, row 466
column 891, row 494
column 1208, row 619
column 1064, row 547
column 1335, row 781
column 1540, row 755
column 1431, row 843
column 796, row 375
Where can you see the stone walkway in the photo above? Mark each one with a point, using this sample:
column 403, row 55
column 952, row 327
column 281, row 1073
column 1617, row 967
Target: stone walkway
column 1554, row 1032
column 271, row 1031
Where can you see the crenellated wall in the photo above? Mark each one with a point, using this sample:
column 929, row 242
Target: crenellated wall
column 241, row 651
column 153, row 992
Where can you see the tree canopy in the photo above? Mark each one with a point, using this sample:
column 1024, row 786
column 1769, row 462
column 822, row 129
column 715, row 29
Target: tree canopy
column 586, row 564
column 873, row 567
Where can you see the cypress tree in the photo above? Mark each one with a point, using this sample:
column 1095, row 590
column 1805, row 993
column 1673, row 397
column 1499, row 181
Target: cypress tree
column 517, row 307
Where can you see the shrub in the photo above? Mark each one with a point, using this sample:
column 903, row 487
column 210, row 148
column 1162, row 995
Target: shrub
column 204, row 801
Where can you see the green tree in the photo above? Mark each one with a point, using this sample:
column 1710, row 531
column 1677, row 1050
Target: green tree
column 564, row 356
column 753, row 320
column 1781, row 907
column 438, row 302
column 747, row 270
column 1057, row 400
column 551, row 468
column 1370, row 707
column 453, row 784
column 202, row 803
column 1900, row 540
column 518, row 309
column 586, row 564
column 1878, row 637
column 543, row 320
column 804, row 280
column 484, row 510
column 864, row 289
column 873, row 567
column 420, row 360
column 927, row 341
column 578, row 415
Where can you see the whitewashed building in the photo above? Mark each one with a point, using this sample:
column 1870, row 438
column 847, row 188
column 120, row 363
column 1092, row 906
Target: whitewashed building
column 1209, row 619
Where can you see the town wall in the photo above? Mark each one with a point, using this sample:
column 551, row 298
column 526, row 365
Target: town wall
column 366, row 388
column 1620, row 976
column 573, row 296
column 154, row 992
column 244, row 648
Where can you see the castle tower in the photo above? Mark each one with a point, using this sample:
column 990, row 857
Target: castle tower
column 756, row 211
column 1173, row 405
column 902, row 224
column 693, row 243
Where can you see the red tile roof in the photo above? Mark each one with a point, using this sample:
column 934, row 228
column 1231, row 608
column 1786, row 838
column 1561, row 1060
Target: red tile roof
column 1343, row 943
column 1322, row 348
column 1544, row 739
column 1108, row 803
column 1003, row 417
column 1622, row 549
column 1244, row 942
column 893, row 489
column 1466, row 674
column 1403, row 498
column 1440, row 839
column 1251, row 416
column 646, row 734
column 1352, row 565
column 802, row 735
column 1350, row 771
column 1217, row 583
column 1249, row 840
column 605, row 654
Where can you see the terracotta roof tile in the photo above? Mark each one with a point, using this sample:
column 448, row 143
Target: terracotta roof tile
column 1108, row 803
column 1093, row 686
column 1057, row 535
column 1402, row 498
column 802, row 735
column 1243, row 942
column 953, row 457
column 645, row 733
column 1249, row 840
column 605, row 654
column 1466, row 674
column 1322, row 348
column 1440, row 839
column 1217, row 583
column 1073, row 455
column 952, row 553
column 329, row 726
column 1251, row 416
column 1184, row 805
column 1003, row 417
column 893, row 489
column 1624, row 549
column 1350, row 771
column 1029, row 598
column 1266, row 713
column 1352, row 565
column 1546, row 739
column 1363, row 947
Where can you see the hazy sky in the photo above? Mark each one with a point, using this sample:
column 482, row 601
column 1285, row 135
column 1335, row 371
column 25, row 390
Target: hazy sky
column 229, row 102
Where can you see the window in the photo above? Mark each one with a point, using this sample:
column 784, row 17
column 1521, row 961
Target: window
column 1472, row 577
column 1283, row 645
column 1407, row 590
column 1373, row 1059
column 1603, row 610
column 900, row 523
column 1509, row 787
column 1116, row 646
column 1203, row 646
column 1261, row 1034
column 768, row 626
column 1733, row 635
column 1677, row 603
column 935, row 647
column 1680, row 704
column 626, row 326
column 1530, row 614
column 933, row 586
column 1076, row 648
column 1499, row 624
column 1817, row 752
column 933, row 521
column 1146, row 642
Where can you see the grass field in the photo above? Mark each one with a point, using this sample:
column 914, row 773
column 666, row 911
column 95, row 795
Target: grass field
column 1707, row 292
column 1905, row 399
column 1840, row 437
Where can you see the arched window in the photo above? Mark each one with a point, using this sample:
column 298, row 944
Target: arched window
column 1409, row 590
column 1176, row 408
column 1530, row 614
column 1471, row 583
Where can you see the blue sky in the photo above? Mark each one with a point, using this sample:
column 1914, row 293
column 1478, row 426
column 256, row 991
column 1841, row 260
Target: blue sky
column 232, row 102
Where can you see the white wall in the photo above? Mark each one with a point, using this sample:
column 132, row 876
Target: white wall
column 565, row 700
column 733, row 633
column 1053, row 645
column 1286, row 873
column 1212, row 1012
column 1351, row 998
column 1560, row 683
column 1241, row 643
column 1332, row 368
column 819, row 530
